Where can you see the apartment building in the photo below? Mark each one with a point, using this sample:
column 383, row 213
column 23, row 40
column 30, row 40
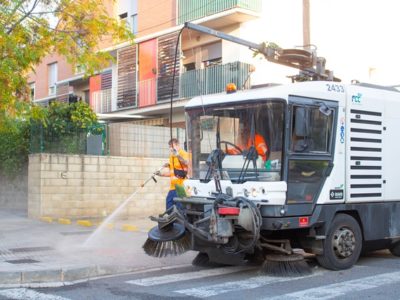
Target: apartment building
column 139, row 83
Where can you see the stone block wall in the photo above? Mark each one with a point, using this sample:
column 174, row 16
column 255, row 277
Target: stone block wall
column 14, row 192
column 85, row 186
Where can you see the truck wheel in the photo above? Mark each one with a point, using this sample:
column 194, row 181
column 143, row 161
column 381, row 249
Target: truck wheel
column 342, row 245
column 395, row 249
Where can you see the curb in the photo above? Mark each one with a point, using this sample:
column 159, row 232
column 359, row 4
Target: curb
column 89, row 223
column 69, row 276
column 64, row 221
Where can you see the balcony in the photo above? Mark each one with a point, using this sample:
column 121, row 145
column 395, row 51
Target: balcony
column 193, row 83
column 189, row 10
column 214, row 79
column 100, row 101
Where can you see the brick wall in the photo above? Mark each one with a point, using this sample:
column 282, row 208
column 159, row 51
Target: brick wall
column 79, row 186
column 40, row 76
column 155, row 15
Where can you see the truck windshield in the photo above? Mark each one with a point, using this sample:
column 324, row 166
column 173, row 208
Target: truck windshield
column 249, row 137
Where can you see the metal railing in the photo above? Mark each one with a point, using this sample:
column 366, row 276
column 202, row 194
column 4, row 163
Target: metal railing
column 192, row 83
column 191, row 10
column 101, row 101
column 147, row 93
column 214, row 79
column 67, row 139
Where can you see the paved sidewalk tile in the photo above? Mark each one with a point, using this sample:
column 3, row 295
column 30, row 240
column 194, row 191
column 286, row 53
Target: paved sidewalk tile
column 42, row 253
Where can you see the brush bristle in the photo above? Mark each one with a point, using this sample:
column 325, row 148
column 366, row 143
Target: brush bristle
column 286, row 266
column 167, row 248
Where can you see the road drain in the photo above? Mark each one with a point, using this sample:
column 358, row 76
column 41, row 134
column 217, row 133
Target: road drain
column 22, row 261
column 30, row 249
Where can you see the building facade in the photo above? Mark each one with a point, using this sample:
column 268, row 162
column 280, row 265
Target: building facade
column 140, row 81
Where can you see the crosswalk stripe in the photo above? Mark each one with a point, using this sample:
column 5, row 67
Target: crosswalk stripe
column 27, row 294
column 187, row 276
column 251, row 283
column 339, row 289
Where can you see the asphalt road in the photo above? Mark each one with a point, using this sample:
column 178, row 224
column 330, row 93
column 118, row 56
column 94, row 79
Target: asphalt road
column 376, row 276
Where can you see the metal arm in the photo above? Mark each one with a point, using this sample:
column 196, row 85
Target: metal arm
column 311, row 66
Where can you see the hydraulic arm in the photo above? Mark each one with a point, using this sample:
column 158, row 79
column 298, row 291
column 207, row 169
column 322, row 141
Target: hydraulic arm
column 310, row 65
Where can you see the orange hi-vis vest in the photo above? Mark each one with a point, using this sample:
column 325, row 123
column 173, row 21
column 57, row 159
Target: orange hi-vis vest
column 174, row 163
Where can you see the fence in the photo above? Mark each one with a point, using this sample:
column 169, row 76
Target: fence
column 128, row 139
column 101, row 101
column 68, row 139
column 116, row 139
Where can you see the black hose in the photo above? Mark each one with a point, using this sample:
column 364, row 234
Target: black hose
column 173, row 81
column 257, row 219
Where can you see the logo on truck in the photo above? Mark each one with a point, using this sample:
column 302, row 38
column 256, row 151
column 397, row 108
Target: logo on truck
column 356, row 99
column 342, row 130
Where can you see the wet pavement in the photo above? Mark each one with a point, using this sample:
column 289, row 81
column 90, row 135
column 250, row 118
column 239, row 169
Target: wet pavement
column 35, row 253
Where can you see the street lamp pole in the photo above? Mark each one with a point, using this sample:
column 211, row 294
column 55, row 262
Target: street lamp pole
column 306, row 24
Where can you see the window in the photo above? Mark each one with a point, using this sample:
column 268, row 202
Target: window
column 134, row 23
column 212, row 62
column 311, row 130
column 124, row 18
column 52, row 78
column 305, row 180
column 238, row 131
column 32, row 91
column 79, row 69
column 310, row 149
column 86, row 96
column 189, row 66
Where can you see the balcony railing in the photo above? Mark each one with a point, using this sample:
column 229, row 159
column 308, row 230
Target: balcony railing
column 100, row 101
column 214, row 79
column 147, row 92
column 210, row 80
column 189, row 10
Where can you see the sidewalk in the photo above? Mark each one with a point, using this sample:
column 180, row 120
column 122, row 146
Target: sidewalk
column 38, row 254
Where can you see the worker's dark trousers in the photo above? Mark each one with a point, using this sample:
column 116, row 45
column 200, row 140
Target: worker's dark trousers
column 170, row 198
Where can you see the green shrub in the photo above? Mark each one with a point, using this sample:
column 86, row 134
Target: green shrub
column 14, row 146
column 59, row 128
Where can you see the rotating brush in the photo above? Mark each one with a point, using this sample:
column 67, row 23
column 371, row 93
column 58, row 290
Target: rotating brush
column 285, row 265
column 167, row 239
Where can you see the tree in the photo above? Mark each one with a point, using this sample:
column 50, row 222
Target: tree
column 31, row 29
column 58, row 128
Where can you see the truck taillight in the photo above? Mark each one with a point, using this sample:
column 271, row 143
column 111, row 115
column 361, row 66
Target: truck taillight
column 231, row 211
column 303, row 221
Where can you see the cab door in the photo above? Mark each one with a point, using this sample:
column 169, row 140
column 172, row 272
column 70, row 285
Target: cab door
column 309, row 152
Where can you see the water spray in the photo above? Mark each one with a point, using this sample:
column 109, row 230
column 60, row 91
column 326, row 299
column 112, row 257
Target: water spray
column 121, row 206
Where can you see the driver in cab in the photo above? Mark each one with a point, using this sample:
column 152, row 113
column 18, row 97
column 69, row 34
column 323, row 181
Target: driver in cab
column 245, row 142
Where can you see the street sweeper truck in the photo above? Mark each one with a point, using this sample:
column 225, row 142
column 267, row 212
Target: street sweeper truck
column 327, row 182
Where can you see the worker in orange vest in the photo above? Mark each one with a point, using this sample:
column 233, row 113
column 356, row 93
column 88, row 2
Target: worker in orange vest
column 246, row 142
column 176, row 169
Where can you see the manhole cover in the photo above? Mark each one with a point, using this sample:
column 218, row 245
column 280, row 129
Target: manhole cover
column 30, row 249
column 22, row 261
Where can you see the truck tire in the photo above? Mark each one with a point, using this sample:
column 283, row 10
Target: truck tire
column 395, row 249
column 342, row 246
